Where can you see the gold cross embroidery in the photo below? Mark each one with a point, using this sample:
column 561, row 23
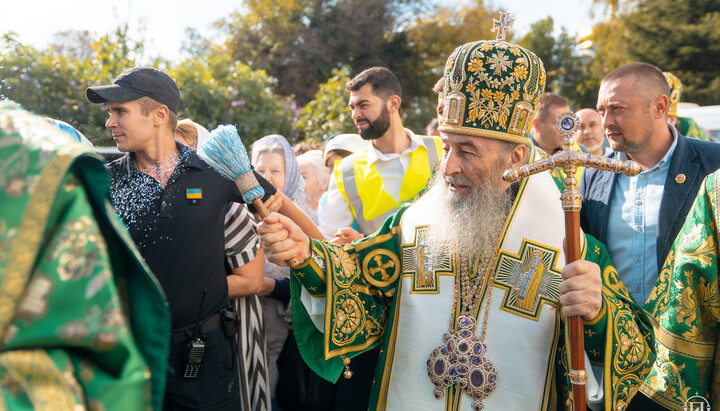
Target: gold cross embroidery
column 381, row 267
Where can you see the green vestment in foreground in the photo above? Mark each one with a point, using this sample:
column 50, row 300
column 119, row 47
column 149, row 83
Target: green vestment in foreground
column 685, row 308
column 83, row 323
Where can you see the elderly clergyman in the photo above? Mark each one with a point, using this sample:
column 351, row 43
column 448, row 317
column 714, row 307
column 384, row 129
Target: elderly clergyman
column 465, row 290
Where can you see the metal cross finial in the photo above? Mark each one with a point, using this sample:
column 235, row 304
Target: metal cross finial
column 505, row 23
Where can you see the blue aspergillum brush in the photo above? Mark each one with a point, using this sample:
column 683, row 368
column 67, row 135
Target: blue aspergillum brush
column 224, row 151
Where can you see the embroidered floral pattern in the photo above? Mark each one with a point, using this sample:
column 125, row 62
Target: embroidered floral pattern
column 500, row 82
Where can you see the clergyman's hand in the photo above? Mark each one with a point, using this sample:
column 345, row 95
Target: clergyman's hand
column 346, row 235
column 282, row 239
column 581, row 290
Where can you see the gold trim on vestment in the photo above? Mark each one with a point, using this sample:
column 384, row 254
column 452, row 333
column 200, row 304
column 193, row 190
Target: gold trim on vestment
column 377, row 239
column 330, row 299
column 682, row 346
column 40, row 378
column 389, row 356
column 599, row 316
column 495, row 135
column 363, row 289
column 25, row 247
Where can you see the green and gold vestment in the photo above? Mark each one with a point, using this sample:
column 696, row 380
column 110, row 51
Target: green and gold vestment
column 386, row 289
column 83, row 323
column 685, row 309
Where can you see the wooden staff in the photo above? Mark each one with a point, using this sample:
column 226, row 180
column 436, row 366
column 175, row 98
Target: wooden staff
column 569, row 160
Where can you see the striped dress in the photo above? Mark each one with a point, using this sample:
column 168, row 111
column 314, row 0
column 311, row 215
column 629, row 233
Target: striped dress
column 241, row 244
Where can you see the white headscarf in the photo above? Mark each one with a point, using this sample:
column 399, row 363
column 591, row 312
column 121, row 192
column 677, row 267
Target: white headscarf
column 294, row 182
column 349, row 142
column 202, row 133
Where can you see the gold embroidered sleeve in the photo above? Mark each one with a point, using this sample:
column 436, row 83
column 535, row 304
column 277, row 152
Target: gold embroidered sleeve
column 358, row 282
column 685, row 308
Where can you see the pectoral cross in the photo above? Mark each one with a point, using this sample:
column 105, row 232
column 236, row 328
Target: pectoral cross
column 569, row 160
column 505, row 23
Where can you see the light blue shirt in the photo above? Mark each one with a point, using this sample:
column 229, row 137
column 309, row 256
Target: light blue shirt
column 633, row 224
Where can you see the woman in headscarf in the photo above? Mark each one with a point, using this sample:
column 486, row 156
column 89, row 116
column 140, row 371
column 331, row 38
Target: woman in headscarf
column 316, row 176
column 273, row 158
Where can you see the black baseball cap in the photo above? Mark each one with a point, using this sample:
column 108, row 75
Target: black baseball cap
column 135, row 83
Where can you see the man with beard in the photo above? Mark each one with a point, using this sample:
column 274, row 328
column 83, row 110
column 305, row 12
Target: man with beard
column 465, row 290
column 370, row 185
column 639, row 217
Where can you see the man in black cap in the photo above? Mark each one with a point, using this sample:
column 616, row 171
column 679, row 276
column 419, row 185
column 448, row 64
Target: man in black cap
column 174, row 205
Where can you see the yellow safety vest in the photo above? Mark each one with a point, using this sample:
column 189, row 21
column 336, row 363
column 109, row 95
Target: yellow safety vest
column 362, row 186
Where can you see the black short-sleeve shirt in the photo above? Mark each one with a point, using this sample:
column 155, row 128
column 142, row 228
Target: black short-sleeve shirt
column 179, row 230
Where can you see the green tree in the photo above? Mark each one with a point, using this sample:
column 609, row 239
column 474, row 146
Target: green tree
column 52, row 82
column 217, row 90
column 328, row 113
column 606, row 50
column 682, row 37
column 299, row 42
column 562, row 61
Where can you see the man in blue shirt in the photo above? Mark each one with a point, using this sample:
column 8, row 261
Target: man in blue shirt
column 639, row 217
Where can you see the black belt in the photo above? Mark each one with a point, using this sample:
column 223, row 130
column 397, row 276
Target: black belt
column 211, row 323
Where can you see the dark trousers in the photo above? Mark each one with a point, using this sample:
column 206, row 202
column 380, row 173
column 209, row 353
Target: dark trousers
column 354, row 393
column 300, row 389
column 215, row 388
column 641, row 402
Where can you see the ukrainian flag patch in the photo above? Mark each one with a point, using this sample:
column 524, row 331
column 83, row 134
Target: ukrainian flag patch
column 193, row 193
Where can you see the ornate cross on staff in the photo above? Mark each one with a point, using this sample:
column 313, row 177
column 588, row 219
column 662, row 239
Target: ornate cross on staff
column 505, row 23
column 569, row 160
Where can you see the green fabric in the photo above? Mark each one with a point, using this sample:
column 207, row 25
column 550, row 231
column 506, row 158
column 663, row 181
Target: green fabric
column 311, row 342
column 685, row 304
column 689, row 128
column 84, row 321
column 619, row 340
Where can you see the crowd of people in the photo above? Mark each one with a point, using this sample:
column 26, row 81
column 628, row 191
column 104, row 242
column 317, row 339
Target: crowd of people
column 422, row 278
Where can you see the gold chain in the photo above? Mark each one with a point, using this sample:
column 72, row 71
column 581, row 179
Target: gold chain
column 469, row 292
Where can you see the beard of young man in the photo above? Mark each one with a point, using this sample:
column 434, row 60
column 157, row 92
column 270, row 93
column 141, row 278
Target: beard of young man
column 469, row 224
column 377, row 127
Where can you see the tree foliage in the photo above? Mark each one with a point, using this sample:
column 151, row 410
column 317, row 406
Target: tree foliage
column 564, row 65
column 328, row 114
column 283, row 66
column 301, row 42
column 216, row 90
column 682, row 37
column 53, row 84
column 607, row 52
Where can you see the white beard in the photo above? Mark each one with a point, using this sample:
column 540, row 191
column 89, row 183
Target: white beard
column 468, row 224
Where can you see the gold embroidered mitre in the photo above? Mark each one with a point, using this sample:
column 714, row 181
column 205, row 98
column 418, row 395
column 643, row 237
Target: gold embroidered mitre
column 492, row 89
column 675, row 90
